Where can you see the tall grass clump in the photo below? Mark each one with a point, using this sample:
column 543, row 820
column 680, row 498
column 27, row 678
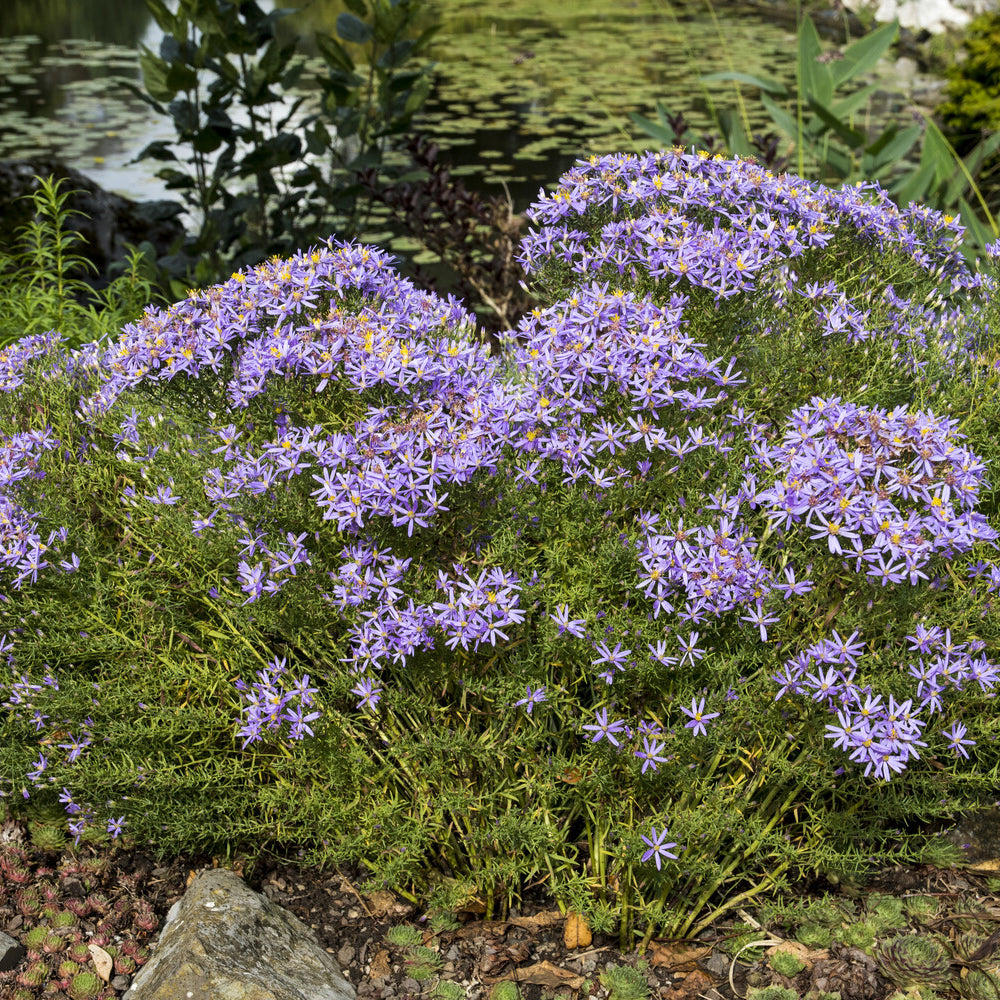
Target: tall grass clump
column 642, row 610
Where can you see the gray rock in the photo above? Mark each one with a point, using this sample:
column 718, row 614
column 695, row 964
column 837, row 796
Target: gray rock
column 11, row 952
column 223, row 941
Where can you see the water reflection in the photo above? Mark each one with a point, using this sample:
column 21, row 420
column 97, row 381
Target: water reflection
column 523, row 88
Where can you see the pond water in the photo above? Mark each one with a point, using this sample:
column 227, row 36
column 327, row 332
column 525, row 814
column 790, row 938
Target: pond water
column 524, row 88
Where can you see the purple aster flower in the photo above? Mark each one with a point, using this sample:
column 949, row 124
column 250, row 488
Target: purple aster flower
column 956, row 740
column 603, row 728
column 698, row 716
column 533, row 698
column 658, row 848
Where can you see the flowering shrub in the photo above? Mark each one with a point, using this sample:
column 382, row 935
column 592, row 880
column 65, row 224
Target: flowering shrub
column 507, row 606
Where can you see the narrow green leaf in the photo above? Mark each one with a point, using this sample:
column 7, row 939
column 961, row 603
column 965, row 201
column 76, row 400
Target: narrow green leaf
column 661, row 133
column 815, row 79
column 732, row 132
column 357, row 7
column 893, row 146
column 768, row 86
column 837, row 160
column 938, row 154
column 982, row 234
column 780, row 117
column 914, row 186
column 862, row 55
column 852, row 137
column 847, row 106
column 972, row 164
column 353, row 29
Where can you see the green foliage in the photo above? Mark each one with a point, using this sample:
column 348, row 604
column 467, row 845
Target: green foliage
column 822, row 120
column 785, row 963
column 860, row 935
column 505, row 990
column 41, row 287
column 884, row 913
column 814, row 936
column 262, row 177
column 446, row 990
column 449, row 773
column 771, row 993
column 971, row 106
column 920, row 909
column 914, row 960
column 404, row 936
column 623, row 982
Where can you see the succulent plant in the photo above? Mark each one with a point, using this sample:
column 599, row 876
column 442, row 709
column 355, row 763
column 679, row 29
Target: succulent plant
column 84, row 986
column 54, row 944
column 825, row 912
column 920, row 908
column 446, row 990
column 979, row 985
column 34, row 975
column 913, row 960
column 145, row 919
column 68, row 969
column 28, row 900
column 78, row 907
column 125, row 966
column 506, row 990
column 884, row 913
column 860, row 935
column 35, row 938
column 404, row 936
column 17, row 872
column 787, row 964
column 79, row 952
column 815, row 936
column 49, row 912
column 624, row 983
column 22, row 993
column 47, row 836
column 64, row 918
column 771, row 993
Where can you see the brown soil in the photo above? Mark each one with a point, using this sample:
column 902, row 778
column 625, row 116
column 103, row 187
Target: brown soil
column 529, row 947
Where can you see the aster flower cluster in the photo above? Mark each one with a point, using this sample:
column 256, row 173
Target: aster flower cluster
column 719, row 224
column 359, row 450
column 891, row 490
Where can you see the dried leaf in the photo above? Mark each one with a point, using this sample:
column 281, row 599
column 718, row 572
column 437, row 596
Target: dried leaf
column 383, row 904
column 102, row 961
column 576, row 933
column 545, row 919
column 547, row 974
column 380, row 964
column 800, row 951
column 677, row 958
